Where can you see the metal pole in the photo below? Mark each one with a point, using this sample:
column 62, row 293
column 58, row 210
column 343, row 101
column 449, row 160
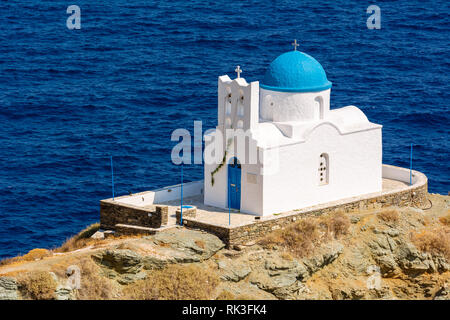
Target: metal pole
column 410, row 166
column 181, row 208
column 229, row 205
column 112, row 177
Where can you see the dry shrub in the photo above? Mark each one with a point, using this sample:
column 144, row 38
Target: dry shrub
column 32, row 255
column 80, row 240
column 38, row 285
column 176, row 282
column 445, row 220
column 338, row 224
column 7, row 261
column 389, row 216
column 287, row 256
column 245, row 297
column 226, row 295
column 435, row 241
column 36, row 254
column 93, row 285
column 302, row 237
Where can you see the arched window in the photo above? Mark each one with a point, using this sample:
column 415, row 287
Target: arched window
column 228, row 104
column 227, row 123
column 324, row 169
column 241, row 110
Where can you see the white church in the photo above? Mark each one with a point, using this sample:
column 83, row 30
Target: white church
column 307, row 153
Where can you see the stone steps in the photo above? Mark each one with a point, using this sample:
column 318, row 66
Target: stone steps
column 128, row 229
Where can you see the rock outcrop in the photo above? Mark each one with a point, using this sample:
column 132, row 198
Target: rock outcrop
column 392, row 252
column 121, row 264
column 174, row 246
column 8, row 289
column 274, row 271
column 374, row 259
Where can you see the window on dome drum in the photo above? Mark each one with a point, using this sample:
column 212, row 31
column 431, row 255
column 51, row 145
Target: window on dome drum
column 323, row 169
column 319, row 101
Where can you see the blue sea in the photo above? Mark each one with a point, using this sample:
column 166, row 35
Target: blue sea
column 137, row 70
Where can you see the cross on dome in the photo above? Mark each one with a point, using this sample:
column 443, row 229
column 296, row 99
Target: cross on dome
column 238, row 71
column 295, row 44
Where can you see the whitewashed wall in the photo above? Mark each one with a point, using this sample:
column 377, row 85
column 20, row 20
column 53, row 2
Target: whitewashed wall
column 399, row 174
column 170, row 193
column 238, row 108
column 291, row 106
column 251, row 183
column 355, row 168
column 309, row 129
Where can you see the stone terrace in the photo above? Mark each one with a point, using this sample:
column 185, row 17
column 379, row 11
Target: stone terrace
column 243, row 228
column 220, row 217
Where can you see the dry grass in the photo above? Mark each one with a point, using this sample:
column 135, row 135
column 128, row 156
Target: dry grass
column 8, row 261
column 38, row 286
column 436, row 241
column 338, row 224
column 445, row 220
column 391, row 216
column 200, row 243
column 302, row 237
column 226, row 295
column 93, row 285
column 32, row 255
column 80, row 240
column 176, row 282
column 36, row 254
column 287, row 256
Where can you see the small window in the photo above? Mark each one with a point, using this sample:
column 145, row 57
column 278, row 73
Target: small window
column 241, row 110
column 319, row 101
column 228, row 106
column 324, row 169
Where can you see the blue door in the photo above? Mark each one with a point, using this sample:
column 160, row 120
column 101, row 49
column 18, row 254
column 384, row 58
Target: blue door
column 234, row 184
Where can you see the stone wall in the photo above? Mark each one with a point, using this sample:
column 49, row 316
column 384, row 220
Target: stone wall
column 415, row 196
column 187, row 213
column 113, row 212
column 118, row 213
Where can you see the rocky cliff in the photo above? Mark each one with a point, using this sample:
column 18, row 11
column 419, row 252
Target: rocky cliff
column 395, row 253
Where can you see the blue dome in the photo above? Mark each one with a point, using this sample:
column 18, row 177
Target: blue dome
column 295, row 71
